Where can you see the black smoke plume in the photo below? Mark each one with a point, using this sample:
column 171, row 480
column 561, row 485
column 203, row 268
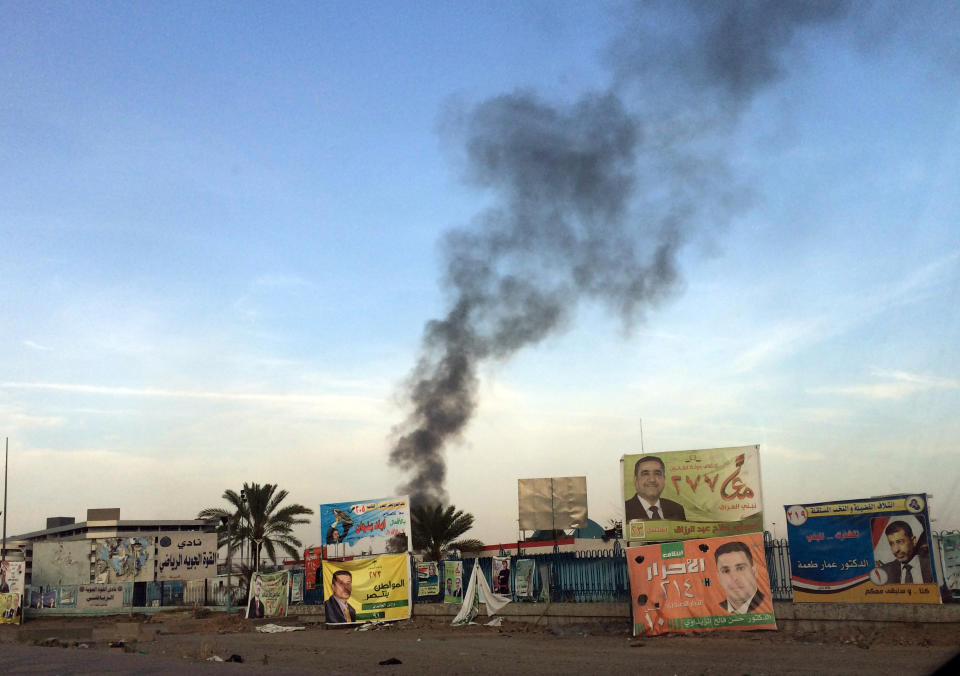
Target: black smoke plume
column 591, row 202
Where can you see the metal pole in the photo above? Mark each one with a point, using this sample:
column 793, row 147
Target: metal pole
column 229, row 565
column 6, row 458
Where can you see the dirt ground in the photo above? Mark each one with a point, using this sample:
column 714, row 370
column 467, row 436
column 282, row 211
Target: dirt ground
column 185, row 641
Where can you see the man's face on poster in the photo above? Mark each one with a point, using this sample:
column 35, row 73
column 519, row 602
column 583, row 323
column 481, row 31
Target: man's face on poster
column 343, row 586
column 649, row 480
column 737, row 576
column 902, row 545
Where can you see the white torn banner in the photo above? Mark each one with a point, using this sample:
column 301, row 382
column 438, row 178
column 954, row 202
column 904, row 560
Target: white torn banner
column 478, row 591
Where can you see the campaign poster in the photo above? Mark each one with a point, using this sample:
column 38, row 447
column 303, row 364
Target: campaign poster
column 950, row 544
column 267, row 595
column 367, row 590
column 313, row 575
column 428, row 578
column 11, row 577
column 700, row 585
column 365, row 527
column 874, row 550
column 686, row 495
column 523, row 578
column 452, row 581
column 68, row 596
column 296, row 586
column 11, row 607
column 186, row 556
column 500, row 575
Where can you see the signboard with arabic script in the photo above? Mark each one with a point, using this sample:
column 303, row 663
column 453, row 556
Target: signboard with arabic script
column 100, row 595
column 875, row 550
column 379, row 589
column 684, row 495
column 186, row 556
column 364, row 527
column 698, row 585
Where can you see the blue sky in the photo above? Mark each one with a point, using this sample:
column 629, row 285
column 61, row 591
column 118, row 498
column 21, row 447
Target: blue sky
column 220, row 245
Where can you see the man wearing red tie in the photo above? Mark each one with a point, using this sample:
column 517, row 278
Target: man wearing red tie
column 649, row 479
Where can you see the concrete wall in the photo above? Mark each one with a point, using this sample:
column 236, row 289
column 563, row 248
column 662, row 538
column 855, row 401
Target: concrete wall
column 60, row 562
column 790, row 617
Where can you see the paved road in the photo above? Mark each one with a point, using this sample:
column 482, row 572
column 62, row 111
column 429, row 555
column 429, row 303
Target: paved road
column 476, row 650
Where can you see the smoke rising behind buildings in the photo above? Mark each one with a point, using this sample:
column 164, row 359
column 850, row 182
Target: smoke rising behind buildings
column 592, row 201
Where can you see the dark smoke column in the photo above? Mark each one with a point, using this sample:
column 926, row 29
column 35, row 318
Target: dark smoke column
column 563, row 179
column 591, row 203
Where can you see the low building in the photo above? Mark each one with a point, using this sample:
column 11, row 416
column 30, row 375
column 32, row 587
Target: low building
column 104, row 556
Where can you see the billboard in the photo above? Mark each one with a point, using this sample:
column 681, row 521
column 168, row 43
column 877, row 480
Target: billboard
column 365, row 527
column 556, row 503
column 698, row 585
column 186, row 556
column 364, row 590
column 61, row 562
column 875, row 550
column 685, row 495
column 267, row 594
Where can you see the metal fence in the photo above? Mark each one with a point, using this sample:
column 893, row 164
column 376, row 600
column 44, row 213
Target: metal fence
column 590, row 576
column 597, row 576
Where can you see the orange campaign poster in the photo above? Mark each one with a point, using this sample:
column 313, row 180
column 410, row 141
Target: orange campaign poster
column 700, row 585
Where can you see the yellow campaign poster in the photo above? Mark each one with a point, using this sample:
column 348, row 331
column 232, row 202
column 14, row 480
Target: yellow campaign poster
column 11, row 608
column 367, row 590
column 686, row 495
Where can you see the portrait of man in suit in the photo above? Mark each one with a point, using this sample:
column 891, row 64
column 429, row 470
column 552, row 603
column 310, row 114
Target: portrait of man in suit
column 910, row 565
column 336, row 609
column 255, row 608
column 649, row 480
column 737, row 576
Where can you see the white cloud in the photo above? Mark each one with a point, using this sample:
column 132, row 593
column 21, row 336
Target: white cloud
column 36, row 346
column 896, row 385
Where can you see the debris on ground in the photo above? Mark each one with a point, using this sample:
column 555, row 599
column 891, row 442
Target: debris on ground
column 277, row 628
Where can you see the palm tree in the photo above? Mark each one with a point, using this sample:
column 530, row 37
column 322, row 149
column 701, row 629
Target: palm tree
column 435, row 530
column 257, row 516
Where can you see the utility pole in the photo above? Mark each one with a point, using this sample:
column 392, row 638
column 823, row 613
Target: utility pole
column 6, row 458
